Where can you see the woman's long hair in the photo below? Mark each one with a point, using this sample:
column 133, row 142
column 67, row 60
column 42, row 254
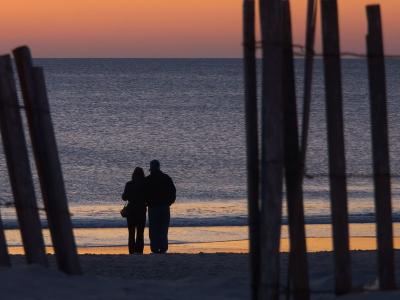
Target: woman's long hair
column 138, row 174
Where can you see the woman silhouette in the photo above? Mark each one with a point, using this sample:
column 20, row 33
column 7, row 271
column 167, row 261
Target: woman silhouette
column 134, row 194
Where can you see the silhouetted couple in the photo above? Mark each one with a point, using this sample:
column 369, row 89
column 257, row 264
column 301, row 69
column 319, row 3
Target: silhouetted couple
column 157, row 192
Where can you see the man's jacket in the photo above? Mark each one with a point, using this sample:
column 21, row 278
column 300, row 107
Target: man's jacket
column 160, row 189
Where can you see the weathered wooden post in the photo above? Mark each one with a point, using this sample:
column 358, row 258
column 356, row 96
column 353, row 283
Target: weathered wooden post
column 4, row 256
column 380, row 148
column 47, row 161
column 337, row 162
column 271, row 147
column 298, row 271
column 250, row 81
column 18, row 166
column 308, row 73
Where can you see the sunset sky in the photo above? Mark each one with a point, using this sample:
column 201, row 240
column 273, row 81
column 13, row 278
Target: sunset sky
column 161, row 28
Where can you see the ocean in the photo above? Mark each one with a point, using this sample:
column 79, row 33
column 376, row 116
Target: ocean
column 111, row 115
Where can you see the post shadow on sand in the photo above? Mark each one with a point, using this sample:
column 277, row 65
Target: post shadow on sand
column 156, row 191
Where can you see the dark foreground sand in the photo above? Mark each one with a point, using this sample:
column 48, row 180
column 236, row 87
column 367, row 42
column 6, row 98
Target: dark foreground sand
column 171, row 276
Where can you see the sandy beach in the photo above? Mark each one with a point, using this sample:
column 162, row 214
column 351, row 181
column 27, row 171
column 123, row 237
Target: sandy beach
column 216, row 270
column 173, row 276
column 197, row 270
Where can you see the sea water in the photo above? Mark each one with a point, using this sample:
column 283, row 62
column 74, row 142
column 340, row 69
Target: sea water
column 111, row 115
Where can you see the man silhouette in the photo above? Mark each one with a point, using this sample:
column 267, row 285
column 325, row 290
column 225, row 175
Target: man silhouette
column 160, row 194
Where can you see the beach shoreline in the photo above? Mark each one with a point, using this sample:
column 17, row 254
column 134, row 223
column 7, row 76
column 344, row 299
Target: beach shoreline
column 217, row 239
column 314, row 245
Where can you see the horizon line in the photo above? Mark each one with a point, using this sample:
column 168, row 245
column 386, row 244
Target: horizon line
column 125, row 57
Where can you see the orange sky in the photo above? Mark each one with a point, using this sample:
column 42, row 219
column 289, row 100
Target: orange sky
column 160, row 28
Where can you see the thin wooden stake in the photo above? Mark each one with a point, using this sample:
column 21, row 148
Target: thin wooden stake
column 271, row 147
column 18, row 166
column 337, row 164
column 293, row 171
column 4, row 256
column 47, row 161
column 380, row 148
column 308, row 73
column 250, row 78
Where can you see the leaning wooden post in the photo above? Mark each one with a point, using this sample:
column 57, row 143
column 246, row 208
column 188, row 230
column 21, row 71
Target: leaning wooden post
column 4, row 256
column 293, row 171
column 380, row 148
column 308, row 73
column 271, row 147
column 19, row 169
column 337, row 164
column 250, row 82
column 47, row 161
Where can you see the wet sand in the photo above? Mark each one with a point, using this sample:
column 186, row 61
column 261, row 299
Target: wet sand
column 320, row 244
column 217, row 239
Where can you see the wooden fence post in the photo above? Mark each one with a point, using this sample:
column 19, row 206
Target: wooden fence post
column 250, row 81
column 18, row 166
column 4, row 256
column 337, row 163
column 298, row 270
column 380, row 148
column 271, row 147
column 47, row 161
column 308, row 73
